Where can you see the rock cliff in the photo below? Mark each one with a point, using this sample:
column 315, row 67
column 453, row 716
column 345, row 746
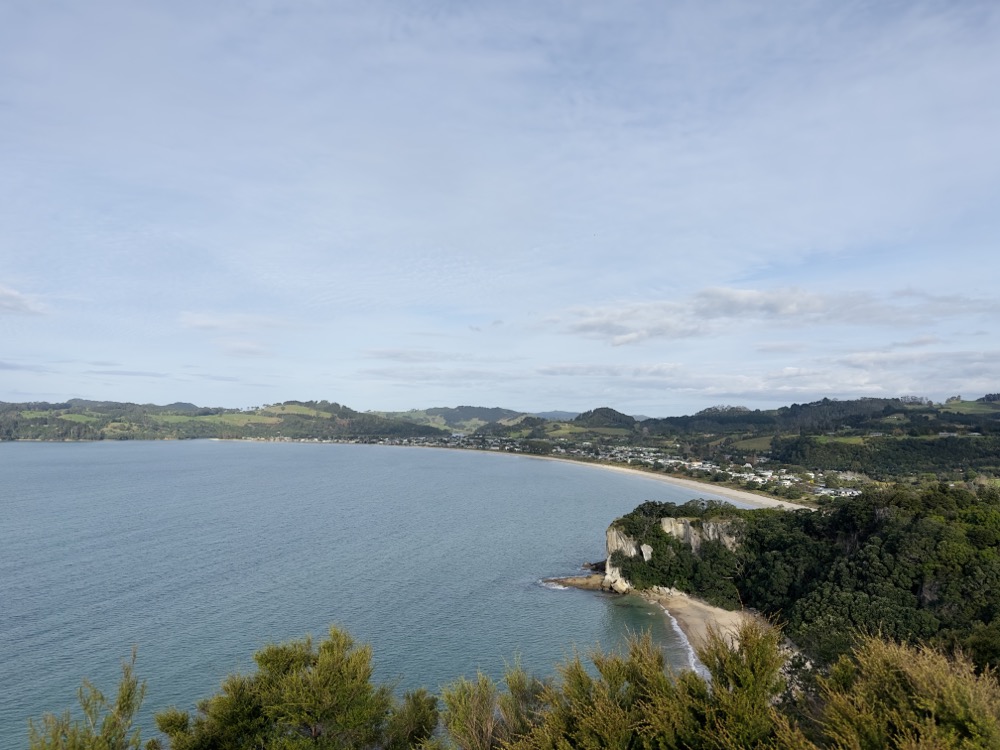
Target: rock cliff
column 693, row 532
column 618, row 542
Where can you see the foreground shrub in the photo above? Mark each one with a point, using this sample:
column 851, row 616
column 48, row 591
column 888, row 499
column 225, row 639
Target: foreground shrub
column 880, row 695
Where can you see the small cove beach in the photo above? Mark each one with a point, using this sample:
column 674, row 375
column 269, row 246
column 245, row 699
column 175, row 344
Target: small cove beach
column 692, row 616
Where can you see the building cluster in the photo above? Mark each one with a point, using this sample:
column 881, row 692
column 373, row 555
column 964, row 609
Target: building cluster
column 749, row 476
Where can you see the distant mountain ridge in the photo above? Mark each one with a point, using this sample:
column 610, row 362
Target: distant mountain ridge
column 80, row 419
column 844, row 435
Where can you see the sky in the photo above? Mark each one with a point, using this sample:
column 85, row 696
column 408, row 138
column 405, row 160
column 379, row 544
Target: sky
column 653, row 206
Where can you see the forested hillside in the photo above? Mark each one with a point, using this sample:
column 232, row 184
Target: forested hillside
column 910, row 416
column 105, row 420
column 459, row 418
column 885, row 458
column 911, row 565
column 871, row 439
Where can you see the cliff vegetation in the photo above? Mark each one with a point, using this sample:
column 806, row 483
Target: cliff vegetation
column 916, row 566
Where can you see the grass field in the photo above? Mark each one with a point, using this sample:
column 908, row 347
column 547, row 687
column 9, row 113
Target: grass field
column 972, row 407
column 296, row 409
column 754, row 444
column 236, row 419
column 84, row 418
column 849, row 440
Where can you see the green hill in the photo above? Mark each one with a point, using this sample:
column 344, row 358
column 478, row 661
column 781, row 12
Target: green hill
column 605, row 417
column 106, row 420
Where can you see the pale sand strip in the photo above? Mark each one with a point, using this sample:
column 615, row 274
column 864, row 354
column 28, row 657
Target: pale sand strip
column 742, row 497
column 695, row 617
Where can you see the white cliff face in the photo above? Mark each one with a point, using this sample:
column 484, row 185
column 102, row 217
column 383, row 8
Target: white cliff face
column 618, row 542
column 687, row 530
column 692, row 535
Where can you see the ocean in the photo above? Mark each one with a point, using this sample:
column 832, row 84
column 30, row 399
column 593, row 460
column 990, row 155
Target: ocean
column 198, row 553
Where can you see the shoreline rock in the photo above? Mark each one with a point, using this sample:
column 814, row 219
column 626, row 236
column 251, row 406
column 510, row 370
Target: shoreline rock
column 693, row 616
column 589, row 582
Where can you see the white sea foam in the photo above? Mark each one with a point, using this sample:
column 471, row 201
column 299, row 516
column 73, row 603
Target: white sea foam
column 553, row 585
column 696, row 666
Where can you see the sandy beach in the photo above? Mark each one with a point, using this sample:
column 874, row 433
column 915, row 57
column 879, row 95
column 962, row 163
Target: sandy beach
column 693, row 616
column 698, row 489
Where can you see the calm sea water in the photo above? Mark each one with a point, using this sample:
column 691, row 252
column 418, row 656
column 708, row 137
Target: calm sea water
column 201, row 552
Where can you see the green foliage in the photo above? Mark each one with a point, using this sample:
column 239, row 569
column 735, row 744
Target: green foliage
column 746, row 680
column 105, row 725
column 605, row 417
column 884, row 695
column 879, row 694
column 647, row 516
column 470, row 713
column 632, row 702
column 711, row 572
column 304, row 696
column 479, row 716
column 412, row 721
column 108, row 420
column 887, row 458
column 913, row 565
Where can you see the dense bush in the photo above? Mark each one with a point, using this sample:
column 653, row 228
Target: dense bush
column 880, row 695
column 912, row 565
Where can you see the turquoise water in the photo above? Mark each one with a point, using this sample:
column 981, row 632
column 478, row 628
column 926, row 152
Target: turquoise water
column 200, row 552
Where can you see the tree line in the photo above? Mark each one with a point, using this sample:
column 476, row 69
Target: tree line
column 886, row 458
column 321, row 696
column 917, row 566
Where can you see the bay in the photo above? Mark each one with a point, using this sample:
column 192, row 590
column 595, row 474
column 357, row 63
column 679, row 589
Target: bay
column 200, row 552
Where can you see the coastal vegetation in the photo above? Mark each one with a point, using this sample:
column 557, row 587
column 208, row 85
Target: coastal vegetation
column 459, row 418
column 849, row 443
column 914, row 565
column 890, row 594
column 880, row 694
column 107, row 420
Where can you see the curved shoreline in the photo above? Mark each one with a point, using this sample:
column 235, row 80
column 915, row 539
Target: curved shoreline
column 742, row 497
column 748, row 499
column 694, row 618
column 691, row 617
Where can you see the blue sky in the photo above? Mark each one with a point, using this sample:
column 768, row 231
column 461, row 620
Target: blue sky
column 655, row 206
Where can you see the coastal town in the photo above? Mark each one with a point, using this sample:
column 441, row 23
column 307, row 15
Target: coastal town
column 774, row 482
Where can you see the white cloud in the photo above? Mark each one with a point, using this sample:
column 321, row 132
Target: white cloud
column 17, row 303
column 731, row 189
column 718, row 310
